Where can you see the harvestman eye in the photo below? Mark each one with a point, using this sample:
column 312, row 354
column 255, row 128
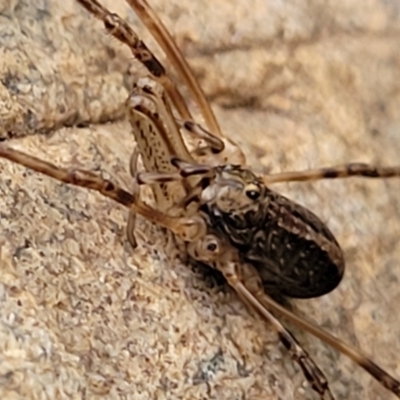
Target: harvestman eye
column 212, row 247
column 252, row 194
column 252, row 191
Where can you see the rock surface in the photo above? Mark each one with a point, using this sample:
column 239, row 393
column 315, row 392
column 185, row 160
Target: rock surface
column 299, row 85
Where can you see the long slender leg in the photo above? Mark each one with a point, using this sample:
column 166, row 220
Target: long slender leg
column 342, row 171
column 119, row 28
column 187, row 228
column 246, row 281
column 310, row 369
column 167, row 43
column 123, row 32
column 193, row 192
column 250, row 287
column 185, row 170
column 213, row 251
column 345, row 171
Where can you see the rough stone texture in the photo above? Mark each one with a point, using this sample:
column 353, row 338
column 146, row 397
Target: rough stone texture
column 298, row 85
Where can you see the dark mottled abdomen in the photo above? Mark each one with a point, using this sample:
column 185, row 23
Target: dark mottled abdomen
column 295, row 253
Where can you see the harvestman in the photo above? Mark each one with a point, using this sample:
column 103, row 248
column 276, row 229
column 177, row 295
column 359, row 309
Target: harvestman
column 201, row 199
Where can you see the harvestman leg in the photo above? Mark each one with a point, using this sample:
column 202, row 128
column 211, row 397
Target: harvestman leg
column 124, row 33
column 186, row 228
column 245, row 280
column 341, row 171
column 120, row 29
column 250, row 287
column 345, row 171
column 175, row 56
column 190, row 230
column 364, row 362
column 167, row 43
column 141, row 6
column 213, row 251
column 311, row 371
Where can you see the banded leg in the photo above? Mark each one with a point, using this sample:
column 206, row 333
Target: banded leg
column 120, row 29
column 311, row 371
column 251, row 289
column 124, row 33
column 185, row 170
column 187, row 228
column 167, row 43
column 246, row 281
column 175, row 56
column 212, row 251
column 342, row 171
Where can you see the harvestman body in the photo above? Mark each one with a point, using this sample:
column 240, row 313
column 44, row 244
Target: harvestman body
column 261, row 241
